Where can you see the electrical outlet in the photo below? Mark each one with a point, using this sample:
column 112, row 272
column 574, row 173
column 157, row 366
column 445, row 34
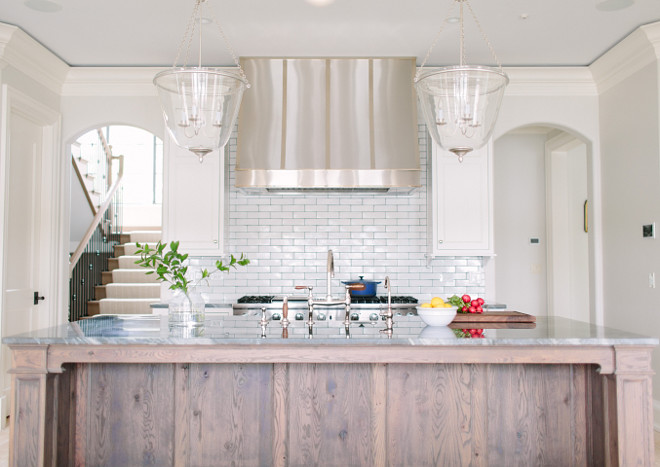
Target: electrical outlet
column 652, row 280
column 536, row 269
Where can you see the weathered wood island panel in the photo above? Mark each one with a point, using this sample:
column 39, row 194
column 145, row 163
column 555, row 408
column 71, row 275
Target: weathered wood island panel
column 119, row 401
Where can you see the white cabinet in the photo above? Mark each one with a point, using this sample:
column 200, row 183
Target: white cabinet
column 461, row 220
column 194, row 201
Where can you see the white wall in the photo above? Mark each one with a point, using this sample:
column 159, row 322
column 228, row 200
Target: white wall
column 631, row 197
column 519, row 198
column 565, row 99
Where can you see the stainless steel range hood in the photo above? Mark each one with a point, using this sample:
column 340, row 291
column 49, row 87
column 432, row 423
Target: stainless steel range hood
column 328, row 124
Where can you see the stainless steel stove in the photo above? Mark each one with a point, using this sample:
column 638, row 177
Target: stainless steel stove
column 363, row 309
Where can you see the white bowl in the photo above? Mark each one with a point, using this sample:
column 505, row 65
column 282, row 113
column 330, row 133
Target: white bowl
column 437, row 316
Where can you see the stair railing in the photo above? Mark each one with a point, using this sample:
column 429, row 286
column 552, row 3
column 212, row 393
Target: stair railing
column 100, row 215
column 81, row 179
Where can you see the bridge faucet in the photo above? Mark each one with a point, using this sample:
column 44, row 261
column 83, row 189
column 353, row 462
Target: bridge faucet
column 310, row 303
column 330, row 269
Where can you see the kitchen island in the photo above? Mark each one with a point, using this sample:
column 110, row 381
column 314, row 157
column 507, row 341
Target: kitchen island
column 129, row 390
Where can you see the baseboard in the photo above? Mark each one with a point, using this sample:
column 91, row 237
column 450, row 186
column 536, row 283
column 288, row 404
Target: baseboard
column 656, row 415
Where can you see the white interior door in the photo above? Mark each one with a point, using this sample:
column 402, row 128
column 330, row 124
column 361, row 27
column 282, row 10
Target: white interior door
column 25, row 208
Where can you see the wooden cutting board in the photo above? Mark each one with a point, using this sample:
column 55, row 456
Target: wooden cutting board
column 494, row 317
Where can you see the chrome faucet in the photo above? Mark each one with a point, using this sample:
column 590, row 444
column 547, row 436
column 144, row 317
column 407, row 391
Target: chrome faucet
column 388, row 315
column 330, row 269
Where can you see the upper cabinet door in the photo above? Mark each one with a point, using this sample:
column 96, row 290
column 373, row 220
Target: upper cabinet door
column 461, row 203
column 194, row 201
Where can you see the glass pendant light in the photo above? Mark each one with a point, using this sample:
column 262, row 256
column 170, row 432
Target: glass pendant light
column 460, row 103
column 200, row 105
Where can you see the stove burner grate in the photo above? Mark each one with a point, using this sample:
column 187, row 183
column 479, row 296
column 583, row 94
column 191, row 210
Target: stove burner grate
column 356, row 300
column 256, row 299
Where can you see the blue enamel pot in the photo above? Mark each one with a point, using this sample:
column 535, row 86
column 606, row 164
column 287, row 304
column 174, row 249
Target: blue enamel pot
column 370, row 287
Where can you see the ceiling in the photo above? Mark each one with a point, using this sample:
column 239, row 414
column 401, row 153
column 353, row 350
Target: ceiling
column 148, row 32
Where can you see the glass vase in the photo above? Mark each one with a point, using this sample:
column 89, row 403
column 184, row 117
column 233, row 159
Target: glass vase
column 186, row 310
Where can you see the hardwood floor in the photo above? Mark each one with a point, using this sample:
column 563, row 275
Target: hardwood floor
column 4, row 448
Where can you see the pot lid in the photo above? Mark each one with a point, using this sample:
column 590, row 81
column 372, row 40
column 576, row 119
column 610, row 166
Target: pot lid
column 361, row 280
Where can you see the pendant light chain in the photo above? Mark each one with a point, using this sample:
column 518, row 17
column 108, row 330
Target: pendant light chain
column 229, row 47
column 435, row 41
column 484, row 36
column 188, row 35
column 462, row 36
column 462, row 59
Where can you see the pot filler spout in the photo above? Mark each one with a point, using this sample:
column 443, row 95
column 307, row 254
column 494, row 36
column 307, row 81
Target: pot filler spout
column 329, row 124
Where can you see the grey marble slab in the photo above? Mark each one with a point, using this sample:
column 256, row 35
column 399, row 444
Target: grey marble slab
column 232, row 330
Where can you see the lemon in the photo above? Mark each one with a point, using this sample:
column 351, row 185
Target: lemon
column 447, row 305
column 437, row 302
column 426, row 305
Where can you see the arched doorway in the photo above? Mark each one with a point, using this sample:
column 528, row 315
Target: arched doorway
column 106, row 208
column 142, row 180
column 541, row 188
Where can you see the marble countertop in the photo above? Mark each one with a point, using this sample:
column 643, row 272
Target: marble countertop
column 232, row 330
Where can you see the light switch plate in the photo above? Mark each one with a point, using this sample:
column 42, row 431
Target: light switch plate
column 648, row 230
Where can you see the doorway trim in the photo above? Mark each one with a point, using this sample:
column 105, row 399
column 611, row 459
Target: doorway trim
column 595, row 219
column 13, row 101
column 556, row 146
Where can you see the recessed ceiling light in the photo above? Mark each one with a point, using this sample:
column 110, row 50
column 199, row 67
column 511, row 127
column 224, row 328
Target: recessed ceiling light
column 524, row 16
column 452, row 20
column 320, row 2
column 614, row 5
column 206, row 20
column 45, row 6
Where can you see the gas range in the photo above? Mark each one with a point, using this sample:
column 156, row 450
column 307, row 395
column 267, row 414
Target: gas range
column 363, row 309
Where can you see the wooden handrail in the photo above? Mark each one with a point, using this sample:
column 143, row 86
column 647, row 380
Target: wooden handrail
column 107, row 150
column 97, row 218
column 81, row 179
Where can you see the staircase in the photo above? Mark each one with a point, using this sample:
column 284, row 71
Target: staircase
column 126, row 288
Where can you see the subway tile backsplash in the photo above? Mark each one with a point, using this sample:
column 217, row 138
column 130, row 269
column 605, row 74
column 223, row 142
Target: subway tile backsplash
column 287, row 238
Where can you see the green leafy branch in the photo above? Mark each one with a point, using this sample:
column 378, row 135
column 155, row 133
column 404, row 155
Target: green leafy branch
column 170, row 266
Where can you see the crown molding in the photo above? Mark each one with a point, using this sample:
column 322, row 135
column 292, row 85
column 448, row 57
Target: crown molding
column 110, row 81
column 550, row 81
column 20, row 51
column 113, row 81
column 638, row 50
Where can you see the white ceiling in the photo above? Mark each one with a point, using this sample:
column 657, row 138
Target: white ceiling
column 148, row 32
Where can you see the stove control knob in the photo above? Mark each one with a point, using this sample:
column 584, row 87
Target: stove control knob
column 321, row 316
column 276, row 317
column 373, row 317
column 411, row 313
column 355, row 317
column 398, row 313
column 299, row 317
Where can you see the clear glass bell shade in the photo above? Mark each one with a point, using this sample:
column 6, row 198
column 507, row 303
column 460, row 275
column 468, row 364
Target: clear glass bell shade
column 200, row 106
column 460, row 105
